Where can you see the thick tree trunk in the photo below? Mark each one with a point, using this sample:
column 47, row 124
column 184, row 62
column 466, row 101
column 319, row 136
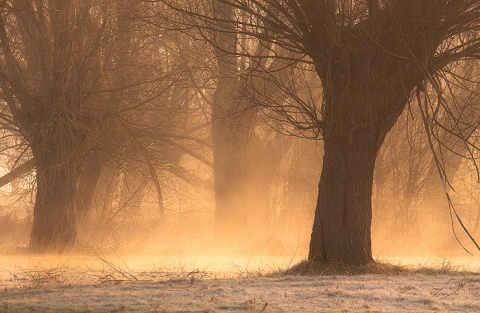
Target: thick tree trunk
column 362, row 101
column 55, row 214
column 64, row 195
column 341, row 230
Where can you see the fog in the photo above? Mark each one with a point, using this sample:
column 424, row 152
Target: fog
column 134, row 237
column 171, row 141
column 131, row 256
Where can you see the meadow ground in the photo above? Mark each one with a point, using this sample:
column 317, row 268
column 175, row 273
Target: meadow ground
column 98, row 283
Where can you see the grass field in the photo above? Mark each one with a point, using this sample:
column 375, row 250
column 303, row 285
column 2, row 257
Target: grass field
column 176, row 283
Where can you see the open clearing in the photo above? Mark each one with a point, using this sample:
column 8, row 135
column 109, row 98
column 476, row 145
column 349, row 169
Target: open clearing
column 210, row 284
column 364, row 293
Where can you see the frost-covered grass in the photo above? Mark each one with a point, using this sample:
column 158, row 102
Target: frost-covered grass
column 229, row 284
column 361, row 293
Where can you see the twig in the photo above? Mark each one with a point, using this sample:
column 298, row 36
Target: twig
column 453, row 292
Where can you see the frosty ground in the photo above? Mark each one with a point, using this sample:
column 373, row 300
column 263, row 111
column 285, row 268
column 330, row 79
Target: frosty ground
column 208, row 284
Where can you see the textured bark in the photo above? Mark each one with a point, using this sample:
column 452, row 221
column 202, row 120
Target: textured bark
column 55, row 213
column 64, row 196
column 341, row 230
column 66, row 182
column 362, row 102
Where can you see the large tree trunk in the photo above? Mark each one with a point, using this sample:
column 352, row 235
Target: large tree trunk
column 55, row 214
column 64, row 195
column 362, row 101
column 341, row 230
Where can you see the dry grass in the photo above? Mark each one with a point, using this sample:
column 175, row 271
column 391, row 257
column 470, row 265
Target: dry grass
column 309, row 268
column 38, row 277
column 113, row 273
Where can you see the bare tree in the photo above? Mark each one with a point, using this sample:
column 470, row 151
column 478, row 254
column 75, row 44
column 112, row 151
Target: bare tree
column 242, row 194
column 373, row 58
column 82, row 92
column 48, row 74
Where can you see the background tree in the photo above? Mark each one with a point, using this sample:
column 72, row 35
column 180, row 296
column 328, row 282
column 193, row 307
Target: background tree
column 409, row 199
column 52, row 104
column 242, row 194
column 80, row 93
